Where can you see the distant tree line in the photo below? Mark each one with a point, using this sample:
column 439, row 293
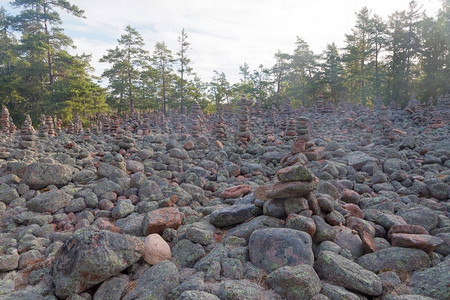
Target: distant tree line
column 407, row 53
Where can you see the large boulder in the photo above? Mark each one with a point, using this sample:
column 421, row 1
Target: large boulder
column 50, row 201
column 39, row 175
column 272, row 248
column 343, row 272
column 91, row 257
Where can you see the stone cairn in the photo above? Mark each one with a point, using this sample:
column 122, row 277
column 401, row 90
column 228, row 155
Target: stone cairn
column 195, row 128
column 43, row 129
column 286, row 113
column 290, row 132
column 196, row 111
column 70, row 128
column 58, row 126
column 303, row 136
column 4, row 120
column 220, row 129
column 385, row 126
column 244, row 135
column 50, row 127
column 443, row 105
column 27, row 134
column 289, row 194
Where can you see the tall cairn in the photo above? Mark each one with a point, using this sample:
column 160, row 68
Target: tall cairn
column 50, row 127
column 302, row 135
column 290, row 133
column 4, row 120
column 244, row 135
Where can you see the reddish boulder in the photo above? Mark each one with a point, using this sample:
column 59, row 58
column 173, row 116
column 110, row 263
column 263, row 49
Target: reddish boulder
column 156, row 221
column 424, row 242
column 406, row 228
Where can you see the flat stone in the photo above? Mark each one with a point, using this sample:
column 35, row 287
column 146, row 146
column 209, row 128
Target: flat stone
column 233, row 215
column 290, row 189
column 424, row 242
column 358, row 159
column 50, row 201
column 235, row 191
column 40, row 175
column 294, row 173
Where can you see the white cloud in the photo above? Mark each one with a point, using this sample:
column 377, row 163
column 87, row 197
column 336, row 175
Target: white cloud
column 223, row 33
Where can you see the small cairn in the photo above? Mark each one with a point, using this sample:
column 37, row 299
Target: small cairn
column 328, row 107
column 195, row 128
column 4, row 120
column 319, row 104
column 70, row 128
column 27, row 134
column 302, row 135
column 43, row 129
column 289, row 193
column 244, row 135
column 86, row 135
column 385, row 126
column 443, row 105
column 49, row 124
column 196, row 111
column 220, row 129
column 258, row 111
column 286, row 113
column 58, row 127
column 290, row 132
column 115, row 125
column 377, row 103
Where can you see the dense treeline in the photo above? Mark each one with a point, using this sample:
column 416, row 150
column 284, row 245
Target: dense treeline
column 407, row 53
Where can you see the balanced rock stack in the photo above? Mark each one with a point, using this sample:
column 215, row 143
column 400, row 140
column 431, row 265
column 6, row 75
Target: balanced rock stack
column 58, row 126
column 4, row 120
column 220, row 130
column 443, row 105
column 289, row 193
column 286, row 113
column 70, row 128
column 244, row 135
column 50, row 127
column 195, row 128
column 196, row 111
column 27, row 134
column 43, row 130
column 290, row 133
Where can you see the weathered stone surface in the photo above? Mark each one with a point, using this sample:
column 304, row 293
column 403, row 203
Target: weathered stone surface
column 294, row 173
column 7, row 193
column 424, row 242
column 89, row 257
column 395, row 258
column 197, row 295
column 419, row 215
column 244, row 289
column 40, row 175
column 358, row 159
column 290, row 189
column 296, row 283
column 301, row 223
column 343, row 272
column 156, row 249
column 156, row 282
column 50, row 201
column 111, row 172
column 187, row 253
column 156, row 221
column 113, row 288
column 432, row 282
column 234, row 214
column 272, row 248
column 244, row 230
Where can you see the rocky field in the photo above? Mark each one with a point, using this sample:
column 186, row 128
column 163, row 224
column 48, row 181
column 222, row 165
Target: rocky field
column 322, row 203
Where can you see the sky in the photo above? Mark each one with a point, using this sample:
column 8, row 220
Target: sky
column 223, row 33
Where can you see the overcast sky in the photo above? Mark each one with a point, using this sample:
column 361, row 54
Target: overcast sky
column 223, row 33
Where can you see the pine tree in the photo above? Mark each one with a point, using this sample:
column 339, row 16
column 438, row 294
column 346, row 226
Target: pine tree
column 163, row 63
column 128, row 60
column 184, row 68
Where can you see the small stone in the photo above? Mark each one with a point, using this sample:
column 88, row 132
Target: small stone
column 156, row 249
